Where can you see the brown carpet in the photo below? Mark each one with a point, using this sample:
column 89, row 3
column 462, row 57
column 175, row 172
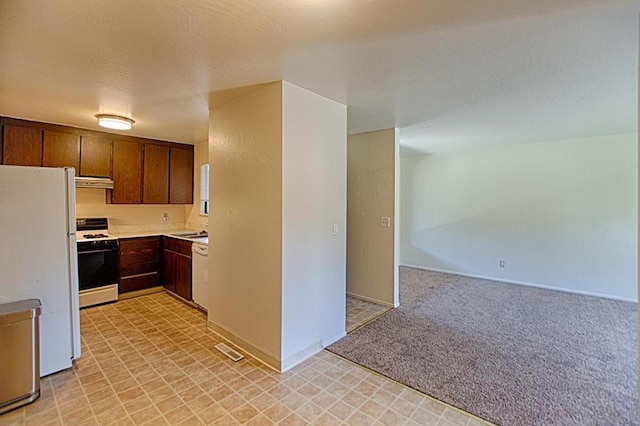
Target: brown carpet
column 511, row 354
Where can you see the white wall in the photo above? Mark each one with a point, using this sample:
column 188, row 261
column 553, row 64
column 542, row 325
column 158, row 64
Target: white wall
column 560, row 214
column 245, row 220
column 372, row 193
column 313, row 199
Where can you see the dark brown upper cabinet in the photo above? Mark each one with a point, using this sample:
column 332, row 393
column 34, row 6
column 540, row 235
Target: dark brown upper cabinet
column 181, row 176
column 155, row 181
column 127, row 172
column 22, row 146
column 95, row 157
column 144, row 171
column 61, row 150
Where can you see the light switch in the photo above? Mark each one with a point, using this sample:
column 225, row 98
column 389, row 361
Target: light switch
column 335, row 228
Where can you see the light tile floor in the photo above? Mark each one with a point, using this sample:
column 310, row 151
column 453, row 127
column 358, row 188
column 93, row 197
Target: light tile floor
column 360, row 312
column 150, row 360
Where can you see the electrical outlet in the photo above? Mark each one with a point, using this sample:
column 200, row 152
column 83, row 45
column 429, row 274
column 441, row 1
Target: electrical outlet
column 502, row 263
column 385, row 222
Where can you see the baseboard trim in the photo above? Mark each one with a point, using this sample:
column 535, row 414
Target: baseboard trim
column 524, row 283
column 180, row 298
column 370, row 299
column 265, row 358
column 334, row 339
column 300, row 356
column 137, row 293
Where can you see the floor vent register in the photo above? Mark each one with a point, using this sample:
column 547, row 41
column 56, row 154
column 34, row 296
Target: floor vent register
column 236, row 356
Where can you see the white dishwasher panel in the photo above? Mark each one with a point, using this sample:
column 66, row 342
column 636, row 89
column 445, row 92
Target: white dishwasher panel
column 200, row 275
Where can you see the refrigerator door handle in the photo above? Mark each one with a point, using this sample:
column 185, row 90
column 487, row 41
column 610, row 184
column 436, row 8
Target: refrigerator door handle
column 72, row 253
column 74, row 294
column 71, row 200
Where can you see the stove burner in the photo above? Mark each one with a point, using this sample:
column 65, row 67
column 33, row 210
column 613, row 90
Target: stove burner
column 88, row 236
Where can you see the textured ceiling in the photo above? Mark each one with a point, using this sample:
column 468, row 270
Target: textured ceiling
column 448, row 73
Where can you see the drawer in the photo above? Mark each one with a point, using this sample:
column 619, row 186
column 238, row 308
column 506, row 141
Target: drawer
column 138, row 268
column 177, row 245
column 141, row 243
column 139, row 282
column 139, row 250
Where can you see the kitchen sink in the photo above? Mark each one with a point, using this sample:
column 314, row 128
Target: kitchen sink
column 190, row 234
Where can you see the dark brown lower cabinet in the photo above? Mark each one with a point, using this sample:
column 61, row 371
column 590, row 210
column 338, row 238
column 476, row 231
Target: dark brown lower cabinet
column 177, row 266
column 169, row 270
column 183, row 276
column 139, row 264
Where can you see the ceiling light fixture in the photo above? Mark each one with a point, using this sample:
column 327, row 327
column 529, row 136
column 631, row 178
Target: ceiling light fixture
column 117, row 122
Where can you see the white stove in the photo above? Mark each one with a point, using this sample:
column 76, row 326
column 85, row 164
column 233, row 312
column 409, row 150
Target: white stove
column 100, row 235
column 97, row 262
column 93, row 229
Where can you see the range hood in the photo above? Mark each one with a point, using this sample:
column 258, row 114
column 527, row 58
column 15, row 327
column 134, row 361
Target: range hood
column 94, row 182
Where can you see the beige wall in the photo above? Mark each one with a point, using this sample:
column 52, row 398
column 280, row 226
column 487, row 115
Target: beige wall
column 194, row 219
column 91, row 202
column 245, row 181
column 372, row 193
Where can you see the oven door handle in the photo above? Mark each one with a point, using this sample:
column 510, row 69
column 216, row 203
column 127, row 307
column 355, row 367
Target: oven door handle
column 96, row 251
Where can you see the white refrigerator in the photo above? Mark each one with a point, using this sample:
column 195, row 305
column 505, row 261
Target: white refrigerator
column 38, row 255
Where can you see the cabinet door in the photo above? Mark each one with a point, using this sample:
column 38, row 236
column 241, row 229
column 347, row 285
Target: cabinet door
column 169, row 270
column 21, row 146
column 61, row 150
column 127, row 173
column 95, row 157
column 177, row 245
column 183, row 276
column 155, row 182
column 181, row 176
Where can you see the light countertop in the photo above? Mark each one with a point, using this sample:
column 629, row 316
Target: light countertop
column 165, row 233
column 201, row 240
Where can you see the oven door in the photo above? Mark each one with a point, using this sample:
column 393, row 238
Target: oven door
column 97, row 264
